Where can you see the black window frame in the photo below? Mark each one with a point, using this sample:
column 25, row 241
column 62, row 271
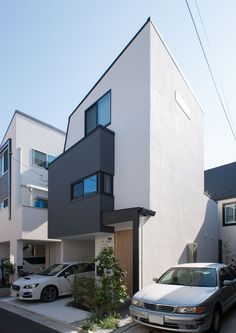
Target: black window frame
column 99, row 186
column 96, row 107
column 102, row 183
column 226, row 224
column 82, row 181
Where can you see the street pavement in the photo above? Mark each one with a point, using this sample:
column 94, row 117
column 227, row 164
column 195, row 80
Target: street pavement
column 11, row 323
column 43, row 318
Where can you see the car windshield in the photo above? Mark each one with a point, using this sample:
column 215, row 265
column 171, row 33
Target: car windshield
column 190, row 276
column 53, row 270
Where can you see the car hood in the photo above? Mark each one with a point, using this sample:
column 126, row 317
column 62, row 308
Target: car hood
column 31, row 279
column 174, row 294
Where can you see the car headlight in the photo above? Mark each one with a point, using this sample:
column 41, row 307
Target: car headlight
column 137, row 303
column 31, row 286
column 190, row 309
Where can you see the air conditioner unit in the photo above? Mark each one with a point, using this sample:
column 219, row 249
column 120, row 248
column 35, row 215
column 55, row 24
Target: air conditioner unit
column 192, row 252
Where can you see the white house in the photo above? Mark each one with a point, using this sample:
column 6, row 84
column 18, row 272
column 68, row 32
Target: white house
column 131, row 176
column 27, row 148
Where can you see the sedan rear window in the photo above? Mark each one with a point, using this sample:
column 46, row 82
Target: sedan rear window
column 190, row 276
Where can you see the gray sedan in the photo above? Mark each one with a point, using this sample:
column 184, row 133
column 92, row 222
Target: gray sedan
column 187, row 298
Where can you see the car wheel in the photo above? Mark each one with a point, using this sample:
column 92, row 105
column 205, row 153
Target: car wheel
column 49, row 294
column 216, row 321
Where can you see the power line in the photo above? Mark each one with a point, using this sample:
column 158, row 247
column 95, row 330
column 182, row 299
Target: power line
column 218, row 76
column 26, row 166
column 211, row 72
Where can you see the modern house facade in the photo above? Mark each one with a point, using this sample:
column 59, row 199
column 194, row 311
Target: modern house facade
column 220, row 184
column 131, row 176
column 27, row 148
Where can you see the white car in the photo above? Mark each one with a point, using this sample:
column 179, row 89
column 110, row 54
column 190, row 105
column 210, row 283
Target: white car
column 50, row 283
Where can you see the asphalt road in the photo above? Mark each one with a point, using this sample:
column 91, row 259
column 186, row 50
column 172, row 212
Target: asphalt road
column 11, row 323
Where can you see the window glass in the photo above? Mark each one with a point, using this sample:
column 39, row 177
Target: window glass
column 41, row 202
column 50, row 159
column 90, row 184
column 77, row 190
column 107, row 183
column 90, row 119
column 4, row 162
column 40, row 159
column 230, row 213
column 4, row 204
column 104, row 110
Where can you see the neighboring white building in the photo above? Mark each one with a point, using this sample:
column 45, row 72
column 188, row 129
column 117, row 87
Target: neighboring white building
column 133, row 157
column 220, row 184
column 27, row 148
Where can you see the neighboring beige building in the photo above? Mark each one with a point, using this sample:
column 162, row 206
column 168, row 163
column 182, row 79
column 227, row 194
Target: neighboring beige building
column 27, row 148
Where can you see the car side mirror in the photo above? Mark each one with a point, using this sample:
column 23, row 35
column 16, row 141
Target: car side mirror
column 227, row 283
column 155, row 279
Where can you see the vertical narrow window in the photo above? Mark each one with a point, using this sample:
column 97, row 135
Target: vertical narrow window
column 4, row 162
column 104, row 110
column 98, row 114
column 90, row 119
column 77, row 190
column 90, row 184
column 107, row 184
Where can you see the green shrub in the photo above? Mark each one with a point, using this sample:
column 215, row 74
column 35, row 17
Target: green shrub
column 111, row 291
column 89, row 325
column 109, row 322
column 84, row 291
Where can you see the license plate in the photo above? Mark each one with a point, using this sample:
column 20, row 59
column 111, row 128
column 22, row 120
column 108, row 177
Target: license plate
column 156, row 319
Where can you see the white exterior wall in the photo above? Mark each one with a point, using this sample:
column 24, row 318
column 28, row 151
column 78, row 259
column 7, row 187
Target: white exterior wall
column 27, row 223
column 227, row 234
column 129, row 81
column 78, row 250
column 176, row 169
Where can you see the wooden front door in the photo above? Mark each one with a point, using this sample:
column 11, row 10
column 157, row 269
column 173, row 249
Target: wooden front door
column 124, row 253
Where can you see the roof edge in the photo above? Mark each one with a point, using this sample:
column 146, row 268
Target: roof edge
column 17, row 112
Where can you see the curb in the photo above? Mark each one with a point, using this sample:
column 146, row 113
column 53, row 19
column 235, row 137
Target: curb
column 54, row 324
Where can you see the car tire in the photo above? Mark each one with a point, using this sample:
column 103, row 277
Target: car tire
column 216, row 321
column 49, row 294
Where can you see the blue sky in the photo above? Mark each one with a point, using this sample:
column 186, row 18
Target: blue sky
column 53, row 51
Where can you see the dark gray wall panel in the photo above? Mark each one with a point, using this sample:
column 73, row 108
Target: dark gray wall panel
column 92, row 154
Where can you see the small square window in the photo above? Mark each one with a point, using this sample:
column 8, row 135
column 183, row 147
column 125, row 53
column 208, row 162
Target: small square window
column 40, row 159
column 229, row 213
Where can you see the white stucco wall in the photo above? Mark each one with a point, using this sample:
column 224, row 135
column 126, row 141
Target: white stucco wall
column 78, row 250
column 176, row 169
column 103, row 241
column 128, row 80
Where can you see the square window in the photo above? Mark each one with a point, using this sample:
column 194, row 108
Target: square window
column 39, row 159
column 229, row 213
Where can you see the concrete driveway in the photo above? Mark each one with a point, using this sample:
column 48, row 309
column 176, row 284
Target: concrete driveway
column 228, row 325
